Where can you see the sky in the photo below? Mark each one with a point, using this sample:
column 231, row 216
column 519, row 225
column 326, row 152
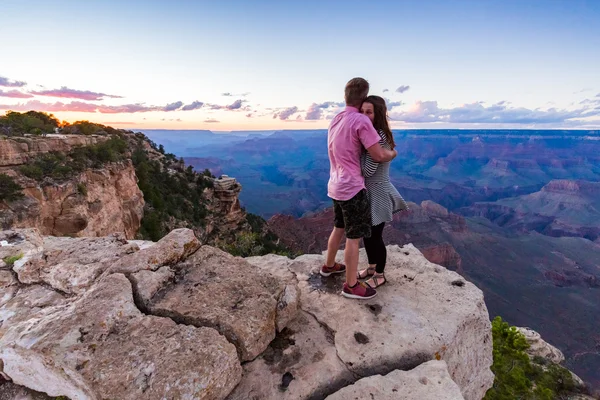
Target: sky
column 259, row 65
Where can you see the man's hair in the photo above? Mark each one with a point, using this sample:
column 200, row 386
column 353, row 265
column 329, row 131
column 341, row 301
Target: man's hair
column 356, row 91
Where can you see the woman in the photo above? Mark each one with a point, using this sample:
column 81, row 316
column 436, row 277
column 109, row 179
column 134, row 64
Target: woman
column 385, row 199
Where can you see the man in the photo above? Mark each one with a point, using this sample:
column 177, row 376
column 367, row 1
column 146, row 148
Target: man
column 350, row 132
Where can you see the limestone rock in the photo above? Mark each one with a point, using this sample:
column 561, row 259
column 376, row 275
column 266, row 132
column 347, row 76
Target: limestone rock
column 174, row 247
column 111, row 202
column 100, row 346
column 8, row 286
column 425, row 312
column 539, row 347
column 301, row 363
column 10, row 391
column 147, row 283
column 215, row 289
column 427, row 381
column 289, row 300
column 72, row 265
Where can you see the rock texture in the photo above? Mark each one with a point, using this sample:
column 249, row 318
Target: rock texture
column 106, row 318
column 426, row 313
column 539, row 347
column 111, row 202
column 428, row 381
column 15, row 152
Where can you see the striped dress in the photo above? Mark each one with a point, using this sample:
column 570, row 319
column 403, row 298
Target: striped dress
column 385, row 199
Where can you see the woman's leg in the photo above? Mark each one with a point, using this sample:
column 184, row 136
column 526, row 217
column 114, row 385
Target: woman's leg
column 379, row 247
column 380, row 255
column 371, row 249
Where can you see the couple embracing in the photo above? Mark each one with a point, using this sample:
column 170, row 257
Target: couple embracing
column 361, row 146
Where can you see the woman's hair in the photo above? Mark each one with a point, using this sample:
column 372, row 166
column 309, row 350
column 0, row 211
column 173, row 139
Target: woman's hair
column 380, row 120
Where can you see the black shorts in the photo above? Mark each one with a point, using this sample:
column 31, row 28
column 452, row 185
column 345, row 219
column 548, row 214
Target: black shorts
column 353, row 215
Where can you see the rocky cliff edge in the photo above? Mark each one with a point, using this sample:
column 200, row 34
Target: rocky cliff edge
column 99, row 318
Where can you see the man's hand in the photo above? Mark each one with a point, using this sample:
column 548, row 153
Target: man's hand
column 379, row 154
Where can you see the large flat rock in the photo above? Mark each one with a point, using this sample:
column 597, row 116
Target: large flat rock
column 425, row 312
column 430, row 380
column 301, row 363
column 212, row 288
column 100, row 346
column 72, row 265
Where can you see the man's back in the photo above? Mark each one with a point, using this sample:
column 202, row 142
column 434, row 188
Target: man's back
column 349, row 132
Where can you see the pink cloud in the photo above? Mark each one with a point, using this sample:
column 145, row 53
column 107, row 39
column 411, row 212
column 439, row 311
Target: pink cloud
column 65, row 92
column 15, row 94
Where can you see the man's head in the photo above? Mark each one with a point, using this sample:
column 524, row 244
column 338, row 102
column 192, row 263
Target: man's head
column 356, row 92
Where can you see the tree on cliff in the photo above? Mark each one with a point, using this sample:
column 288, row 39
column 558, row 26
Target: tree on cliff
column 9, row 189
column 31, row 122
column 517, row 377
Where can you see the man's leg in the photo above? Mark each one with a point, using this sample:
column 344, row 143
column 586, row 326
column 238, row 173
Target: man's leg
column 357, row 217
column 351, row 260
column 333, row 245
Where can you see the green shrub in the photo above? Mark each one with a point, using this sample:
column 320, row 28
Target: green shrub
column 519, row 378
column 31, row 122
column 59, row 166
column 9, row 189
column 82, row 189
column 11, row 260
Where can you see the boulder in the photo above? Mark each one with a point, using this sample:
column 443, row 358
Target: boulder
column 301, row 363
column 174, row 247
column 425, row 312
column 539, row 347
column 10, row 391
column 72, row 265
column 101, row 346
column 430, row 380
column 212, row 288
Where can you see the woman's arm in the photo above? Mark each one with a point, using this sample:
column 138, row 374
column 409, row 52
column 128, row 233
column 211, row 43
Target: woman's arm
column 369, row 166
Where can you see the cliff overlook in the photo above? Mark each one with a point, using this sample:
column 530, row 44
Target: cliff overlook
column 90, row 180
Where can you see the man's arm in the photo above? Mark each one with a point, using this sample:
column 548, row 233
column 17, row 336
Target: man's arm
column 379, row 154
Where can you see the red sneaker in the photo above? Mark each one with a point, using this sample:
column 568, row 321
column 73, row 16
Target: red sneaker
column 360, row 291
column 336, row 269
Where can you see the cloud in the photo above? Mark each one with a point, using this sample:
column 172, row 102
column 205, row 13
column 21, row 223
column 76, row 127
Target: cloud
column 391, row 104
column 286, row 113
column 249, row 115
column 192, row 106
column 386, row 90
column 235, row 105
column 429, row 111
column 402, row 89
column 598, row 95
column 173, row 106
column 8, row 83
column 229, row 94
column 211, row 120
column 15, row 94
column 315, row 111
column 65, row 92
column 79, row 106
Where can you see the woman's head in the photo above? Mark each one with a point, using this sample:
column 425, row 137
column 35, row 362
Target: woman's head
column 374, row 107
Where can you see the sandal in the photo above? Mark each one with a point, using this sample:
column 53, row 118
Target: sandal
column 378, row 280
column 366, row 273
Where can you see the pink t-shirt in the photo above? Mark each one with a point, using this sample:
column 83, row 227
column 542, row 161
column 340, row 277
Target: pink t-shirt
column 349, row 132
